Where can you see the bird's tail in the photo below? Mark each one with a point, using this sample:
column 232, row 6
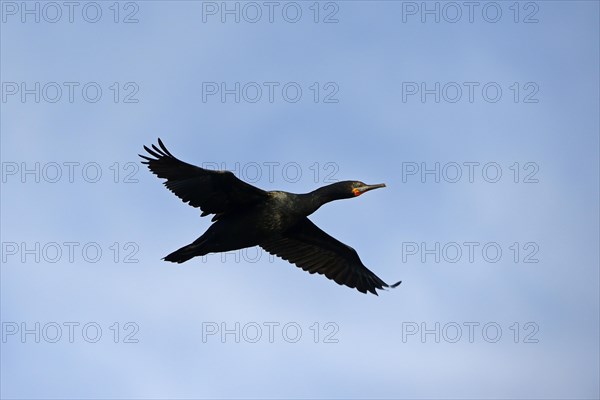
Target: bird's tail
column 187, row 252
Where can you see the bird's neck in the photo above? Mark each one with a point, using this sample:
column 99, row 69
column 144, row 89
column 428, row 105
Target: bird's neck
column 315, row 199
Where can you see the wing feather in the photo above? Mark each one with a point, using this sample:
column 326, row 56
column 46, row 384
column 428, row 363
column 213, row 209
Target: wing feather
column 214, row 192
column 313, row 250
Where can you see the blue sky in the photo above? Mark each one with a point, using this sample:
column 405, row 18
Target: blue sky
column 527, row 317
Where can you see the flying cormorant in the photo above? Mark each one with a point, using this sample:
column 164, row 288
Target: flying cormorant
column 246, row 216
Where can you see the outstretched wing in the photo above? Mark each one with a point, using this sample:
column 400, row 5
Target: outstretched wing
column 313, row 250
column 214, row 192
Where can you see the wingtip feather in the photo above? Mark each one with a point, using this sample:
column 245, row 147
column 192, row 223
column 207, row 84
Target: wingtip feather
column 164, row 148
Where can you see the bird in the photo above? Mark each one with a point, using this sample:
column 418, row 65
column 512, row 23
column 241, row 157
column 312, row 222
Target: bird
column 246, row 216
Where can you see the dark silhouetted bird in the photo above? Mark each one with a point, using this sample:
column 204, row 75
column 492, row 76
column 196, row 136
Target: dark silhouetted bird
column 246, row 216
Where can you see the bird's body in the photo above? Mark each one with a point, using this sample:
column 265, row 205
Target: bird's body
column 246, row 216
column 247, row 227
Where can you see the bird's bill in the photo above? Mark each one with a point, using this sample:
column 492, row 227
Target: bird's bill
column 362, row 189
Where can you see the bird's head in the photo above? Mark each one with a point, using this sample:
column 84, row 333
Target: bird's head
column 359, row 188
column 349, row 189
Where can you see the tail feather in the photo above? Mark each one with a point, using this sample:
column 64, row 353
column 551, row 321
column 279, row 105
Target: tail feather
column 186, row 252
